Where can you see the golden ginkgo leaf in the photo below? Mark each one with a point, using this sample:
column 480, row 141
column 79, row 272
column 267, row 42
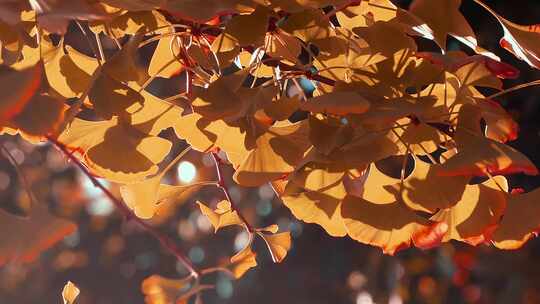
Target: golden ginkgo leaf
column 444, row 18
column 93, row 140
column 277, row 152
column 391, row 227
column 70, row 293
column 370, row 10
column 222, row 216
column 164, row 62
column 278, row 244
column 422, row 191
column 519, row 222
column 478, row 155
column 521, row 40
column 474, row 217
column 158, row 289
column 322, row 207
column 308, row 25
column 110, row 97
column 282, row 45
column 243, row 261
column 22, row 87
column 130, row 23
column 338, row 103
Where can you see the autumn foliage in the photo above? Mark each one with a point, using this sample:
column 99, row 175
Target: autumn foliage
column 357, row 128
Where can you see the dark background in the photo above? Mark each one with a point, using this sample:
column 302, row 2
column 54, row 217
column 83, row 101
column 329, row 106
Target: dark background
column 108, row 259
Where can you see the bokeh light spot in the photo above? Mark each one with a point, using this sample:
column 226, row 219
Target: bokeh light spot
column 186, row 172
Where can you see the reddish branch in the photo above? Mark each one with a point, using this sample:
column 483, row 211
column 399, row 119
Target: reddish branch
column 168, row 243
column 223, row 187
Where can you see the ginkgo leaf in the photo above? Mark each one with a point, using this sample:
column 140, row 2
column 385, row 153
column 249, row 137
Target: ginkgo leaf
column 93, row 141
column 243, row 261
column 322, row 207
column 63, row 70
column 70, row 293
column 373, row 10
column 477, row 213
column 422, row 191
column 521, row 40
column 391, row 227
column 277, row 152
column 519, row 222
column 338, row 103
column 164, row 62
column 130, row 23
column 146, row 197
column 280, row 44
column 244, row 30
column 111, row 97
column 158, row 289
column 220, row 99
column 478, row 155
column 222, row 216
column 308, row 25
column 444, row 18
column 278, row 244
column 22, row 87
column 30, row 236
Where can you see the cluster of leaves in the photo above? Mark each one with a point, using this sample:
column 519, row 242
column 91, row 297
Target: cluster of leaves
column 331, row 101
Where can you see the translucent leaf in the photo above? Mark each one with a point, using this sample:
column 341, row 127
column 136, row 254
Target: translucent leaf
column 242, row 262
column 422, row 190
column 70, row 293
column 389, row 226
column 94, row 141
column 164, row 62
column 519, row 222
column 521, row 40
column 477, row 213
column 444, row 18
column 277, row 152
column 279, row 245
column 322, row 207
column 221, row 217
column 158, row 289
column 338, row 103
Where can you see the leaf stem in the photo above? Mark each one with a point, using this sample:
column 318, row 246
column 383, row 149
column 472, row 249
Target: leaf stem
column 164, row 240
column 221, row 184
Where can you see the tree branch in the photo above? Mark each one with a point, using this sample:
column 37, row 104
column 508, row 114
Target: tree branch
column 168, row 243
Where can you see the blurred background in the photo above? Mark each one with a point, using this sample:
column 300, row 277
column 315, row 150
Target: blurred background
column 108, row 258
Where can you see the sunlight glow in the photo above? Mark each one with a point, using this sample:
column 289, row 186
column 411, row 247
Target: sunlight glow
column 186, row 172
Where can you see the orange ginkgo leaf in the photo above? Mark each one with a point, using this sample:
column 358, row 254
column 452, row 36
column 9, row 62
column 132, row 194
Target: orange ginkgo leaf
column 338, row 103
column 391, row 226
column 321, row 206
column 93, row 141
column 22, row 85
column 478, row 155
column 444, row 18
column 158, row 289
column 147, row 196
column 70, row 293
column 521, row 40
column 222, row 216
column 278, row 244
column 475, row 216
column 22, row 240
column 243, row 261
column 519, row 222
column 164, row 62
column 422, row 191
column 277, row 152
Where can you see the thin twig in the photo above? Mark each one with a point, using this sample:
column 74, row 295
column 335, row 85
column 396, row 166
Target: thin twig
column 223, row 187
column 165, row 240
